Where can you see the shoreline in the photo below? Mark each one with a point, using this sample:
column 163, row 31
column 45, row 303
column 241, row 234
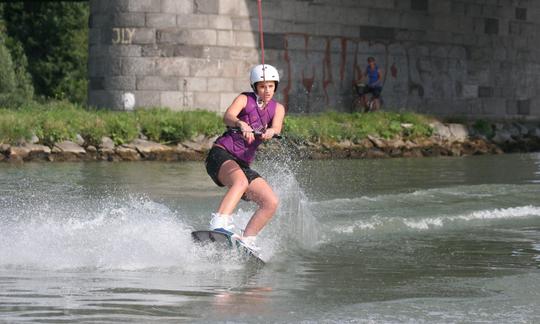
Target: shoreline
column 447, row 140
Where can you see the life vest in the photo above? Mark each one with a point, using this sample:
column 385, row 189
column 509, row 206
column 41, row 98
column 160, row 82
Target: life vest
column 259, row 119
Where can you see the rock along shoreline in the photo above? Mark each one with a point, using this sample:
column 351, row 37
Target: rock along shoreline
column 447, row 140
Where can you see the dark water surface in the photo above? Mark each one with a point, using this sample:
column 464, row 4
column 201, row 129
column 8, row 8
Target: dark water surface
column 445, row 240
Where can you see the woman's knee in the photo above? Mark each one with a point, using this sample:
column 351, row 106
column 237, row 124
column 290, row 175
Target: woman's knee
column 241, row 184
column 271, row 202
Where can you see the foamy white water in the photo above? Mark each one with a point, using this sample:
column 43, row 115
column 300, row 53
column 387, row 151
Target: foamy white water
column 129, row 234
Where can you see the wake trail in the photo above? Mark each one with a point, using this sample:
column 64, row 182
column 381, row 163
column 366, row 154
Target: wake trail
column 381, row 224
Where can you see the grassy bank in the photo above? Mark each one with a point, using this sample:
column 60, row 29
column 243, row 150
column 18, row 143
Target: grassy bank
column 58, row 121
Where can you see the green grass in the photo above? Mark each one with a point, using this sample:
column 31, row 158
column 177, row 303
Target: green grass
column 57, row 121
column 335, row 127
column 164, row 125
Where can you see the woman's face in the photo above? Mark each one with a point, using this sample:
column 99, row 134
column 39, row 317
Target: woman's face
column 265, row 90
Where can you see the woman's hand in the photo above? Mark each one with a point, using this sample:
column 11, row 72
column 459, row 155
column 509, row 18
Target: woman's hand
column 268, row 134
column 247, row 131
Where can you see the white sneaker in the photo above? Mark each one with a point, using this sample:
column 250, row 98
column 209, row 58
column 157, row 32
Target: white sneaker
column 249, row 242
column 222, row 223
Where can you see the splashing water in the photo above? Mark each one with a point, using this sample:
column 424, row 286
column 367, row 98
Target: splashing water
column 293, row 225
column 67, row 227
column 114, row 233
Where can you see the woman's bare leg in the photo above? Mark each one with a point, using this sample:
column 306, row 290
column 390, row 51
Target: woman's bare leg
column 232, row 176
column 261, row 193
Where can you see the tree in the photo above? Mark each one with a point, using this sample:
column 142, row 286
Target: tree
column 15, row 82
column 54, row 38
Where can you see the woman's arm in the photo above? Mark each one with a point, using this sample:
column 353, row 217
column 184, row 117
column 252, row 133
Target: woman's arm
column 231, row 118
column 231, row 114
column 277, row 123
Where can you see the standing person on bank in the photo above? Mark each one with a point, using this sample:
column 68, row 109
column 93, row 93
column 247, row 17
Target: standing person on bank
column 374, row 86
column 252, row 118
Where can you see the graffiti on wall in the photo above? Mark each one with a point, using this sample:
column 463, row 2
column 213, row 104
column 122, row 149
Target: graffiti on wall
column 123, row 36
column 320, row 72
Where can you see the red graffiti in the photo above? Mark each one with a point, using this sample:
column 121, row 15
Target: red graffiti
column 310, row 68
column 308, row 82
column 394, row 70
column 327, row 70
column 357, row 70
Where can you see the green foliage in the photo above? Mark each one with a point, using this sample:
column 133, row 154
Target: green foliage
column 15, row 85
column 202, row 122
column 164, row 125
column 53, row 130
column 158, row 125
column 58, row 121
column 333, row 127
column 93, row 128
column 14, row 126
column 7, row 73
column 484, row 127
column 121, row 127
column 54, row 37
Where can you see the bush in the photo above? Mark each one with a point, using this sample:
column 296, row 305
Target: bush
column 11, row 93
column 15, row 85
column 93, row 128
column 157, row 125
column 54, row 37
column 484, row 127
column 14, row 127
column 7, row 75
column 332, row 127
column 57, row 121
column 164, row 125
column 121, row 127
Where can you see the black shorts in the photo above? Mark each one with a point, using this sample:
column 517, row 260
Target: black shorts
column 375, row 90
column 215, row 159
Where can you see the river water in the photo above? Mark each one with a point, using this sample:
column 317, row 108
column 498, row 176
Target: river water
column 430, row 240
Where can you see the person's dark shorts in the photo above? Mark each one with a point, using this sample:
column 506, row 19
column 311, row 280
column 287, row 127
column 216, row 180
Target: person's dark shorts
column 376, row 91
column 215, row 159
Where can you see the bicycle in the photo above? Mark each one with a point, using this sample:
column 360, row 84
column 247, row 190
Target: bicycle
column 367, row 104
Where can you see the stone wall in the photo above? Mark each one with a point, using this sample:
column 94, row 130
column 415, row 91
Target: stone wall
column 442, row 57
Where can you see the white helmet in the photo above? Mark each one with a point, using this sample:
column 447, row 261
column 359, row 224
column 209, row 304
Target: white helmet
column 263, row 73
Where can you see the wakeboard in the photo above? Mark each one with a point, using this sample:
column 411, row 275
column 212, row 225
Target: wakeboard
column 227, row 242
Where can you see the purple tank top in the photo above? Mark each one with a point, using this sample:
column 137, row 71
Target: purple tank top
column 258, row 119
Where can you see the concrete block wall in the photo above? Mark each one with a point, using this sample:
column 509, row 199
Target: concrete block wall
column 170, row 53
column 442, row 57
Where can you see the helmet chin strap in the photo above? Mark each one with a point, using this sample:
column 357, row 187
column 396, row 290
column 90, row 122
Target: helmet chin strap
column 260, row 100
